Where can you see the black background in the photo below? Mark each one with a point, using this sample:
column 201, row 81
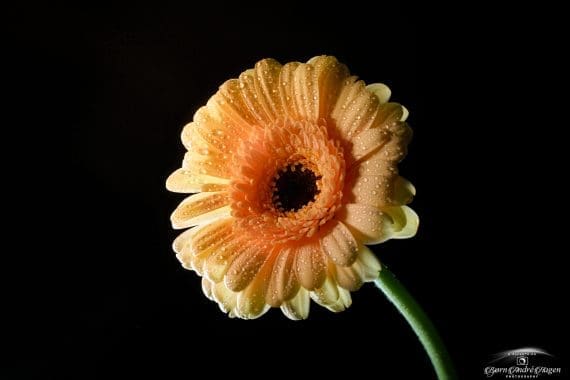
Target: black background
column 99, row 99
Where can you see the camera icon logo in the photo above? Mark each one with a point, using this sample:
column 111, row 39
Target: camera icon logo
column 522, row 360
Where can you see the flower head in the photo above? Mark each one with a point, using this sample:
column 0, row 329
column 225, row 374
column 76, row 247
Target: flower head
column 295, row 171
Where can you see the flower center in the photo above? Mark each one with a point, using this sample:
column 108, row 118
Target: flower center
column 295, row 187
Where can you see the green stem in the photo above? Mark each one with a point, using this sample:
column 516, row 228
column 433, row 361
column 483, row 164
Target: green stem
column 421, row 324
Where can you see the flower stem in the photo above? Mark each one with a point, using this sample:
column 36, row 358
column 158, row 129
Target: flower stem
column 419, row 321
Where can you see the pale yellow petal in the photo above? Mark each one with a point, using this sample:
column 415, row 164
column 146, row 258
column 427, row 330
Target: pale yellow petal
column 339, row 244
column 403, row 222
column 207, row 286
column 283, row 284
column 226, row 250
column 182, row 181
column 310, row 265
column 365, row 222
column 404, row 191
column 203, row 241
column 367, row 265
column 181, row 246
column 345, row 297
column 298, row 307
column 251, row 301
column 200, row 208
column 328, row 296
column 226, row 299
column 381, row 91
column 405, row 114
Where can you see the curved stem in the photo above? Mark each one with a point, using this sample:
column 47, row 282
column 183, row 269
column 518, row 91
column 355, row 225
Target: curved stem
column 419, row 321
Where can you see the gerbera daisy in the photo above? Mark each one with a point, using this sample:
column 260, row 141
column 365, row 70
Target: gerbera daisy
column 295, row 170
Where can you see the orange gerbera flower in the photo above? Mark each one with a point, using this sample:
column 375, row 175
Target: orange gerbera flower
column 295, row 170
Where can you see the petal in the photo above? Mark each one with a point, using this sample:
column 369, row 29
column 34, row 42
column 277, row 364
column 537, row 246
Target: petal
column 328, row 296
column 367, row 265
column 403, row 222
column 203, row 241
column 348, row 278
column 205, row 161
column 356, row 109
column 283, row 284
column 345, row 297
column 298, row 307
column 305, row 91
column 373, row 190
column 251, row 302
column 181, row 246
column 229, row 104
column 330, row 76
column 287, row 89
column 365, row 222
column 405, row 114
column 381, row 91
column 207, row 286
column 245, row 266
column 310, row 265
column 404, row 191
column 200, row 208
column 226, row 299
column 217, row 133
column 340, row 245
column 218, row 263
column 182, row 181
column 368, row 142
column 365, row 269
column 267, row 86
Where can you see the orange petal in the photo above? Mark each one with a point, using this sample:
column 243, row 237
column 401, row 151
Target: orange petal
column 306, row 93
column 355, row 110
column 182, row 181
column 367, row 142
column 244, row 267
column 374, row 190
column 348, row 278
column 287, row 89
column 330, row 76
column 283, row 284
column 340, row 245
column 209, row 162
column 229, row 104
column 365, row 221
column 200, row 208
column 310, row 265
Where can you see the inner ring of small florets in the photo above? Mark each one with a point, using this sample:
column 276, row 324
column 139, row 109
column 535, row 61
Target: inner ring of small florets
column 289, row 183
